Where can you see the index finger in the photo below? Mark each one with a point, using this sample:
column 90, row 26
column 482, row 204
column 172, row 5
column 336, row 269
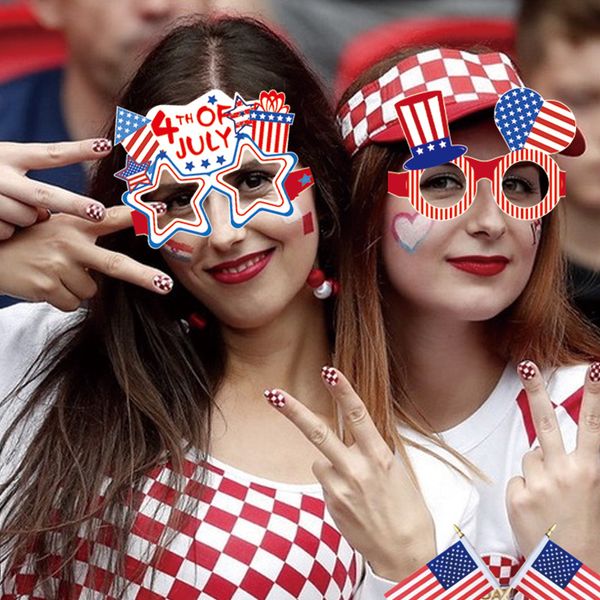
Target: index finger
column 28, row 156
column 314, row 429
column 354, row 412
column 542, row 410
column 588, row 432
column 118, row 218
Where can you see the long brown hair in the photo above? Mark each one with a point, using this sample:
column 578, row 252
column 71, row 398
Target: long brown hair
column 540, row 325
column 113, row 403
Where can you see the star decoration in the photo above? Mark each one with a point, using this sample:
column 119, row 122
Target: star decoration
column 162, row 154
column 220, row 159
column 280, row 204
column 189, row 166
column 134, row 173
column 205, row 163
column 239, row 113
column 158, row 235
column 212, row 99
column 305, row 179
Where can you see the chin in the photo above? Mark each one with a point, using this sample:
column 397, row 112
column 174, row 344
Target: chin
column 247, row 317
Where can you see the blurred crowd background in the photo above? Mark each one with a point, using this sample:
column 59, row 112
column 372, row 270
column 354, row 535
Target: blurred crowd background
column 63, row 64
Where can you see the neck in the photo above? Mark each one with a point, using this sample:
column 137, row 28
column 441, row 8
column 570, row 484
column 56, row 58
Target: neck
column 286, row 353
column 581, row 235
column 87, row 110
column 449, row 365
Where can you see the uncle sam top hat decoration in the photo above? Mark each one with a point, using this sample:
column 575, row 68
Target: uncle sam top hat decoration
column 425, row 123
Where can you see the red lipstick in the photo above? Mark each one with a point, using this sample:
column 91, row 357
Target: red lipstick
column 241, row 269
column 484, row 266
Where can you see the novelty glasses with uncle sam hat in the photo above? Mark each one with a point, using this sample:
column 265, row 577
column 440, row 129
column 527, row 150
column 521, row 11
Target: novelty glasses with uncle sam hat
column 417, row 98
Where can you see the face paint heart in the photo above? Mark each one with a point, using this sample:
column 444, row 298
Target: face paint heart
column 410, row 229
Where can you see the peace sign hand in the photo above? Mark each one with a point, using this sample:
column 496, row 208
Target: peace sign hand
column 367, row 489
column 49, row 261
column 23, row 200
column 557, row 487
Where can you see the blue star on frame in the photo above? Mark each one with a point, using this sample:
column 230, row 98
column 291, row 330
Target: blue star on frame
column 280, row 205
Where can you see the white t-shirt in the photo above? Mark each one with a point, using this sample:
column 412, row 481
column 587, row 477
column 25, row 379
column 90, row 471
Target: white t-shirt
column 254, row 538
column 495, row 438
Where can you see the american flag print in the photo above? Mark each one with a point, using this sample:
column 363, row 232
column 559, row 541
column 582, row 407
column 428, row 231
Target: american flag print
column 134, row 173
column 134, row 132
column 456, row 574
column 271, row 121
column 526, row 120
column 551, row 573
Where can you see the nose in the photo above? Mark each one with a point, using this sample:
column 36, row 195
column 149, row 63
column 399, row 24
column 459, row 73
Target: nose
column 485, row 218
column 155, row 9
column 223, row 235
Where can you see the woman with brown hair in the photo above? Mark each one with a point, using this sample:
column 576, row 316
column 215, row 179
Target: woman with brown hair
column 138, row 461
column 471, row 311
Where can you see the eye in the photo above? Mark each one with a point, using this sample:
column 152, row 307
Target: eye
column 252, row 181
column 518, row 185
column 442, row 182
column 179, row 200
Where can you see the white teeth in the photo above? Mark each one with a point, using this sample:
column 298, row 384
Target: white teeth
column 245, row 265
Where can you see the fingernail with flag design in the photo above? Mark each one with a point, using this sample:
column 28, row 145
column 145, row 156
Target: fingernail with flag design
column 159, row 207
column 330, row 375
column 275, row 397
column 101, row 145
column 95, row 211
column 163, row 282
column 594, row 372
column 526, row 370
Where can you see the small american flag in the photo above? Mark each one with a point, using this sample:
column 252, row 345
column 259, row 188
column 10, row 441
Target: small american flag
column 135, row 133
column 458, row 573
column 134, row 173
column 526, row 120
column 551, row 573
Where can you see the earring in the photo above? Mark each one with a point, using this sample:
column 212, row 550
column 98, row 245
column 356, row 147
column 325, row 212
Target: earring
column 322, row 288
column 193, row 321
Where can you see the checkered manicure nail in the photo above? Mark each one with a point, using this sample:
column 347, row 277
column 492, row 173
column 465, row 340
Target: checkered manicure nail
column 526, row 370
column 101, row 145
column 163, row 283
column 159, row 207
column 595, row 372
column 330, row 375
column 95, row 211
column 275, row 398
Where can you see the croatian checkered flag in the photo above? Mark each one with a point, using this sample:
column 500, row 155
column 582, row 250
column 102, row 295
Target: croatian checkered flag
column 526, row 120
column 551, row 573
column 135, row 133
column 457, row 573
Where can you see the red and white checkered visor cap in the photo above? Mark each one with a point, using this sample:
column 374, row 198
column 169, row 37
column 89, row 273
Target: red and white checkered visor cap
column 469, row 83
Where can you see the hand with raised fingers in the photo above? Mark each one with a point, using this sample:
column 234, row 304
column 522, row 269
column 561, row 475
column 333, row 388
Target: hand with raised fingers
column 558, row 487
column 367, row 488
column 24, row 201
column 50, row 260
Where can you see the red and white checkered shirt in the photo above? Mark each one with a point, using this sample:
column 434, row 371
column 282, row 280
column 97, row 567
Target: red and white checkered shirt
column 248, row 539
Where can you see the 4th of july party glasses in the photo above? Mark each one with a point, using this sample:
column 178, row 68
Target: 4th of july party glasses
column 526, row 184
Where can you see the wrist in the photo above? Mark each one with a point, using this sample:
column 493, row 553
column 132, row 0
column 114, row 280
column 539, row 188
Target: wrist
column 398, row 563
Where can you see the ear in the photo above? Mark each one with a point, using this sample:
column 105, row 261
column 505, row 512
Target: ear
column 48, row 12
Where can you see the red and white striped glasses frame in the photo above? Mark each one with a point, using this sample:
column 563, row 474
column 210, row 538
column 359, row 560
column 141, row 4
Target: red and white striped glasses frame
column 407, row 184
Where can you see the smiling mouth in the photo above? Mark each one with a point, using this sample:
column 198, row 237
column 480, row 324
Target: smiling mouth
column 241, row 269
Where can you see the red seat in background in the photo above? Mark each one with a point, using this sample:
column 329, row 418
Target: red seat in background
column 371, row 46
column 25, row 46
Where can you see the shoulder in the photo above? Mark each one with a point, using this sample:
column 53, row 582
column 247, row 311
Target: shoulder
column 25, row 330
column 29, row 105
column 448, row 491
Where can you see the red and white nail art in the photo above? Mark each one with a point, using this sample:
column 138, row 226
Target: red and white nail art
column 101, row 145
column 526, row 370
column 163, row 282
column 275, row 398
column 330, row 375
column 159, row 207
column 95, row 211
column 595, row 372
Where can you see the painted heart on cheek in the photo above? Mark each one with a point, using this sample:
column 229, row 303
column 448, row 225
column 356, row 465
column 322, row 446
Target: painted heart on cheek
column 410, row 229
